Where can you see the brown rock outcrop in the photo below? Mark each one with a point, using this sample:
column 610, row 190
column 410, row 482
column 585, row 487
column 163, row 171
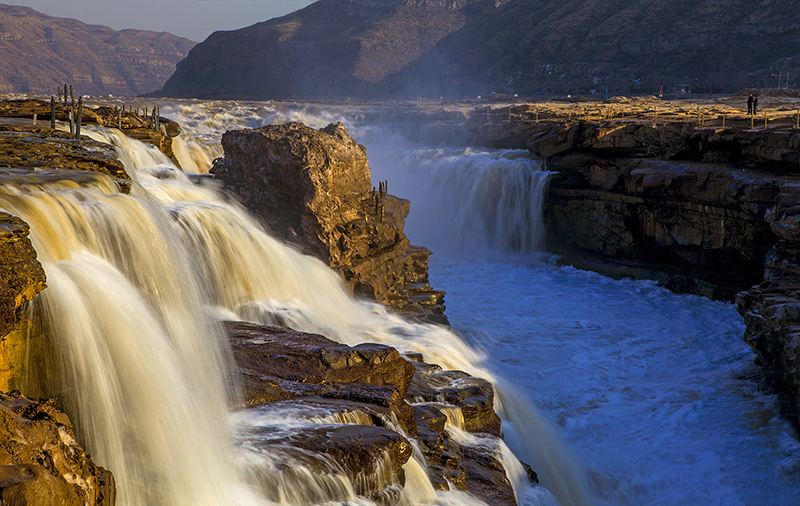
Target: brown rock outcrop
column 771, row 310
column 40, row 461
column 312, row 188
column 42, row 148
column 642, row 198
column 21, row 278
column 709, row 211
column 281, row 369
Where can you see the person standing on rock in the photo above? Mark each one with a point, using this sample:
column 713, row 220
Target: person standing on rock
column 750, row 104
column 755, row 104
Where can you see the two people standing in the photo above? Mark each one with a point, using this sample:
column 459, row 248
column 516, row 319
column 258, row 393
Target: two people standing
column 752, row 104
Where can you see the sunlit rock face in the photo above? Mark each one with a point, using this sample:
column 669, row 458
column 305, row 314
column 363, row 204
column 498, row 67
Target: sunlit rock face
column 312, row 188
column 41, row 462
column 21, row 278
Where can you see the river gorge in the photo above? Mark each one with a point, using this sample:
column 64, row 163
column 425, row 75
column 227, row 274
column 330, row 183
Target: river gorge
column 614, row 391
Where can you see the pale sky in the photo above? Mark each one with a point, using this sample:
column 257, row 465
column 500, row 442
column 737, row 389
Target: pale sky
column 193, row 19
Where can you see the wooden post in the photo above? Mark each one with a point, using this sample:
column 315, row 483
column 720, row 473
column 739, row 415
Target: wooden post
column 53, row 110
column 35, row 118
column 80, row 118
column 72, row 96
column 65, row 94
column 723, row 122
column 751, row 120
column 71, row 122
column 797, row 122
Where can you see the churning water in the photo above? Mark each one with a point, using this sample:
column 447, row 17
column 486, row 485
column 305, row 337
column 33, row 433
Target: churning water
column 654, row 392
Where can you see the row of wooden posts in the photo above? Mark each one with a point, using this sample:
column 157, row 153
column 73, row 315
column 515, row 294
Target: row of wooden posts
column 609, row 115
column 76, row 113
column 377, row 195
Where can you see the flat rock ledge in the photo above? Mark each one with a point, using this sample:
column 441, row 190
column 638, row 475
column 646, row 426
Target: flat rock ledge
column 312, row 188
column 383, row 399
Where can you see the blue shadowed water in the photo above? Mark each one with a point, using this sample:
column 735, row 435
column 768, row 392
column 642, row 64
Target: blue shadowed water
column 655, row 392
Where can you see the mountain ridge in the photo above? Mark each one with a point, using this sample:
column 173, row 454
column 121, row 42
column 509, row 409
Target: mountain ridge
column 39, row 53
column 409, row 48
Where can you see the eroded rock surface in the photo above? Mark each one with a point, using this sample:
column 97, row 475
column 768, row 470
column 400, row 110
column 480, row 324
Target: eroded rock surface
column 312, row 188
column 21, row 278
column 373, row 387
column 42, row 148
column 41, row 463
column 771, row 310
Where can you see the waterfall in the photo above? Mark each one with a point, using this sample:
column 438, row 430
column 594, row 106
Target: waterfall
column 136, row 285
column 468, row 202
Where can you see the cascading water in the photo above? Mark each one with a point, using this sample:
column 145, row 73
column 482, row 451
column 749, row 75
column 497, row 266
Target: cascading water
column 136, row 284
column 491, row 200
column 662, row 409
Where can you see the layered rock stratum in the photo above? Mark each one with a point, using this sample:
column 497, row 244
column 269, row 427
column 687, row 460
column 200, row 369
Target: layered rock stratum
column 406, row 48
column 39, row 53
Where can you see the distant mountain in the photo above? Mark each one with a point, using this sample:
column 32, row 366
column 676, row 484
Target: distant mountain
column 529, row 46
column 38, row 53
column 409, row 48
column 330, row 49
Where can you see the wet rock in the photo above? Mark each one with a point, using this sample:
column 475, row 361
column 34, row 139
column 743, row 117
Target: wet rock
column 485, row 475
column 21, row 274
column 311, row 358
column 40, row 461
column 371, row 457
column 474, row 397
column 28, row 147
column 312, row 188
column 277, row 364
column 441, row 453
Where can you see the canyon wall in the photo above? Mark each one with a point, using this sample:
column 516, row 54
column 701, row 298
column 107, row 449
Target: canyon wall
column 714, row 212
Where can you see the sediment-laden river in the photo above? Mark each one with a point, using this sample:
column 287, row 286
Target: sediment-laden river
column 653, row 394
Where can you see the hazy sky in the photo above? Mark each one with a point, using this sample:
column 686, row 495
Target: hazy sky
column 194, row 19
